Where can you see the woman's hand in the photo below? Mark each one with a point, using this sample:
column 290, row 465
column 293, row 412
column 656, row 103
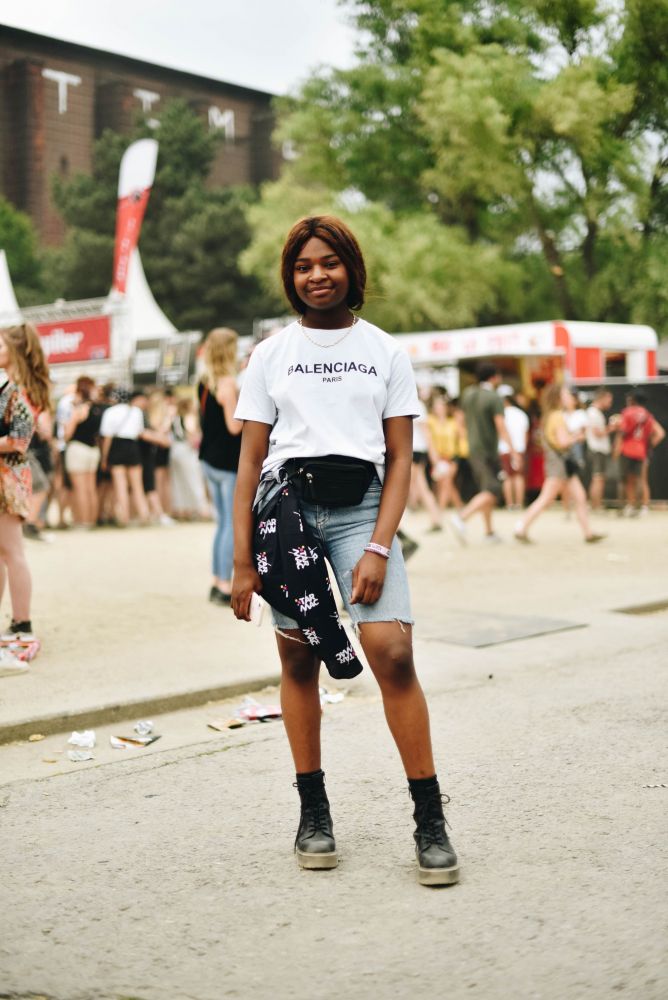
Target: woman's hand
column 368, row 579
column 245, row 582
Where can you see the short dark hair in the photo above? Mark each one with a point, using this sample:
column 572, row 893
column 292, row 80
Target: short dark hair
column 485, row 371
column 136, row 393
column 637, row 397
column 337, row 235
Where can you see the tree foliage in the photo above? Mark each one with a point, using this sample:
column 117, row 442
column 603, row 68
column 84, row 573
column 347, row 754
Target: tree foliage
column 191, row 237
column 19, row 241
column 526, row 140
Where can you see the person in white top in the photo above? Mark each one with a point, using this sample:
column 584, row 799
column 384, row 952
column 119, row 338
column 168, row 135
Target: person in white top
column 334, row 385
column 121, row 428
column 420, row 493
column 517, row 423
column 598, row 433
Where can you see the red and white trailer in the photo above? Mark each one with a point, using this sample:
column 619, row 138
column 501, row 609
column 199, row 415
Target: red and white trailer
column 575, row 350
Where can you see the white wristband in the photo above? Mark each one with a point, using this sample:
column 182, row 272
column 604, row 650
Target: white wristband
column 379, row 550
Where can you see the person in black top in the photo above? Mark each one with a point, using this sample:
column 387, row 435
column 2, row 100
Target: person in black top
column 219, row 449
column 82, row 456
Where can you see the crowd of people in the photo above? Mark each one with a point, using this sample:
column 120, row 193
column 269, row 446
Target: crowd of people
column 488, row 448
column 109, row 457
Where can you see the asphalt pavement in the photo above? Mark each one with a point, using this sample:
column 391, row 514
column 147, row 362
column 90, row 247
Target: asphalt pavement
column 168, row 872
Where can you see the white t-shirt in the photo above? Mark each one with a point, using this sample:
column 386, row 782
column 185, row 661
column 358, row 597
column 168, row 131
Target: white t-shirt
column 122, row 421
column 576, row 420
column 323, row 400
column 517, row 423
column 596, row 419
column 420, row 439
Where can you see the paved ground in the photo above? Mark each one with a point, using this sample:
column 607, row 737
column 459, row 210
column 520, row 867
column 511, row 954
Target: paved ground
column 168, row 872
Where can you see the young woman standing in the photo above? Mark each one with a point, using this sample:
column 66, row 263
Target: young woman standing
column 219, row 449
column 333, row 385
column 82, row 454
column 23, row 395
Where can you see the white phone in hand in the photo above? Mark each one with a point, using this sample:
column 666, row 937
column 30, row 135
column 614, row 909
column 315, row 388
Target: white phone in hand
column 256, row 609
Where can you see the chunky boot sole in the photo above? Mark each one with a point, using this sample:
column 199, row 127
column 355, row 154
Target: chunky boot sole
column 438, row 876
column 317, row 862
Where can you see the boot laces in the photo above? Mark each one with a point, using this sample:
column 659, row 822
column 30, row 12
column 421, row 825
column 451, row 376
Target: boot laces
column 314, row 812
column 430, row 819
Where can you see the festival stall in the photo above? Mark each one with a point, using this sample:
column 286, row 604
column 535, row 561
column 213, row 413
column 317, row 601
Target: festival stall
column 533, row 354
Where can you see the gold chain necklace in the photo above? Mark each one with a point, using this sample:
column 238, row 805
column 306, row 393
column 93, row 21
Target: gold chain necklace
column 335, row 342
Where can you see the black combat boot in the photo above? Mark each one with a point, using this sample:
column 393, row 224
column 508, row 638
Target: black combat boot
column 315, row 846
column 436, row 858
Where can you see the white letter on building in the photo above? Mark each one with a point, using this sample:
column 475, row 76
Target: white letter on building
column 222, row 119
column 64, row 80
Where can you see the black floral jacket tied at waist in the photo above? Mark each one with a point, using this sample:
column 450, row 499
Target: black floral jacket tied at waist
column 295, row 581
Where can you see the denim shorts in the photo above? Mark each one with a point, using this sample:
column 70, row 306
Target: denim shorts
column 343, row 532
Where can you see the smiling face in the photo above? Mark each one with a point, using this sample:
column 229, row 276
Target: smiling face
column 320, row 277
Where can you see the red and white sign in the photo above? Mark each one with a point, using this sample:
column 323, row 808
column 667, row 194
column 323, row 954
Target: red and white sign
column 86, row 339
column 134, row 187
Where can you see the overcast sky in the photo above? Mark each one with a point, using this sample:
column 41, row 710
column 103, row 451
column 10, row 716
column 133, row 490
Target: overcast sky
column 267, row 44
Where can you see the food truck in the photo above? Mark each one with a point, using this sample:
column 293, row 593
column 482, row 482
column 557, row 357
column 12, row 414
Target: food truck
column 532, row 354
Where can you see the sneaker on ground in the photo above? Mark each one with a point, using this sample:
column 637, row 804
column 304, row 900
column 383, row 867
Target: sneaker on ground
column 217, row 596
column 10, row 665
column 166, row 520
column 592, row 539
column 18, row 635
column 492, row 539
column 459, row 527
column 521, row 536
column 32, row 531
column 408, row 545
column 629, row 511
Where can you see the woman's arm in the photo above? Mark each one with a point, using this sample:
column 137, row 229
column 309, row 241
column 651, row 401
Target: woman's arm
column 369, row 573
column 246, row 580
column 563, row 436
column 155, row 437
column 227, row 396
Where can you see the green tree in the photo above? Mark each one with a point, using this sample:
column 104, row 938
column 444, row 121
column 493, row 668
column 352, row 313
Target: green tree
column 19, row 241
column 191, row 237
column 534, row 129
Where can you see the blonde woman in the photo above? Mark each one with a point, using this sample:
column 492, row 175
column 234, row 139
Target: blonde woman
column 24, row 394
column 561, row 471
column 219, row 449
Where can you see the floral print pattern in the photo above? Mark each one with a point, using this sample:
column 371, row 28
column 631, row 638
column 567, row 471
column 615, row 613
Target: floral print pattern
column 17, row 422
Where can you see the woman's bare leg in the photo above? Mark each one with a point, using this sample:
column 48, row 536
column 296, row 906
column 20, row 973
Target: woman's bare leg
column 389, row 649
column 579, row 498
column 79, row 497
column 300, row 700
column 137, row 490
column 121, row 496
column 424, row 495
column 18, row 573
column 551, row 489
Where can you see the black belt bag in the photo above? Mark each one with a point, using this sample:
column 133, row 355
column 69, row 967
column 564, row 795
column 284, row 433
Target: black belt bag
column 333, row 480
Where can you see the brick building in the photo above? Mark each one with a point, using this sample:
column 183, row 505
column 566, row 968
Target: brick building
column 56, row 98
